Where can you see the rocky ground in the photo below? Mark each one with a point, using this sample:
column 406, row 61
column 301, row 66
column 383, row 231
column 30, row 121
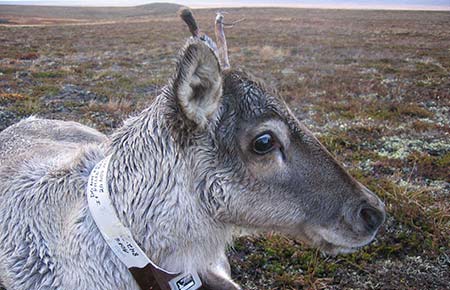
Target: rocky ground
column 374, row 86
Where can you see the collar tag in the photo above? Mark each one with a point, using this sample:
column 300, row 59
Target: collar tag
column 118, row 237
column 185, row 282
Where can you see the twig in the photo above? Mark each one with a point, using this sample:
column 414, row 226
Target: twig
column 230, row 25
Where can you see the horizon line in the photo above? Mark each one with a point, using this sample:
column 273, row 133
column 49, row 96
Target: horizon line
column 308, row 6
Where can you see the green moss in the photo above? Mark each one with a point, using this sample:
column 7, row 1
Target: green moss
column 73, row 104
column 338, row 110
column 49, row 74
column 275, row 267
column 444, row 161
column 288, row 280
column 433, row 167
column 23, row 105
column 396, row 111
column 124, row 82
column 239, row 245
column 413, row 110
column 336, row 142
column 385, row 66
column 431, row 69
column 45, row 90
column 26, row 107
column 8, row 70
column 257, row 260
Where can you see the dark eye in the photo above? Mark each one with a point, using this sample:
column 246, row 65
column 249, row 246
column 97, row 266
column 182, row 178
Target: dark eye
column 263, row 144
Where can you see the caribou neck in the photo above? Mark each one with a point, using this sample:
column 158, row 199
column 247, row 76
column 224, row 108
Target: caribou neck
column 151, row 187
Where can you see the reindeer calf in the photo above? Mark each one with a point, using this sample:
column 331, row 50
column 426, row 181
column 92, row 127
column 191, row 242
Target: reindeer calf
column 214, row 151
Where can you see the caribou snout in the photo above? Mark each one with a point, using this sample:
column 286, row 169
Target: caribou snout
column 367, row 215
column 371, row 217
column 372, row 212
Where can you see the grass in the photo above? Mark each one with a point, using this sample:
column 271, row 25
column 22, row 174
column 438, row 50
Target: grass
column 22, row 105
column 49, row 74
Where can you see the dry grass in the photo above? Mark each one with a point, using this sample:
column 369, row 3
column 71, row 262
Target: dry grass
column 268, row 53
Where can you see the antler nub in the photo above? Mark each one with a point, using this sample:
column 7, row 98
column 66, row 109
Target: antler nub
column 221, row 42
column 188, row 18
column 220, row 49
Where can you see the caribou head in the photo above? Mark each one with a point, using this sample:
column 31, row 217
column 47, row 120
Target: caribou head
column 259, row 166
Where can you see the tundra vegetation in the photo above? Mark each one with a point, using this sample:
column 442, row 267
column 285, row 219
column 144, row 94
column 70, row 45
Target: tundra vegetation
column 373, row 86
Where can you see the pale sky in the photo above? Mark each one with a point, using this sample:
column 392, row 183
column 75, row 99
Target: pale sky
column 396, row 4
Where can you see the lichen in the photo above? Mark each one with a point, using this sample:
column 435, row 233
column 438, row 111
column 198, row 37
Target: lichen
column 397, row 147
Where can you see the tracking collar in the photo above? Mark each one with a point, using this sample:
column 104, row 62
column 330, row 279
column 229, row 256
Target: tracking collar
column 146, row 273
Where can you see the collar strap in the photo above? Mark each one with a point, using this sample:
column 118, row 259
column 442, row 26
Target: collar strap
column 146, row 273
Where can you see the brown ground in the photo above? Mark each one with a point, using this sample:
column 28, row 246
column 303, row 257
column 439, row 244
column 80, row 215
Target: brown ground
column 373, row 85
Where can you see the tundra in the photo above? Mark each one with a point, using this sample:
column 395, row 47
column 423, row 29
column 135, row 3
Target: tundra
column 216, row 151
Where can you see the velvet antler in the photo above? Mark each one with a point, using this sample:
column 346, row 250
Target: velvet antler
column 221, row 42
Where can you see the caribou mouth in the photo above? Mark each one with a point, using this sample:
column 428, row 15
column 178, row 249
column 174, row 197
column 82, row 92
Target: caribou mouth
column 333, row 243
column 333, row 250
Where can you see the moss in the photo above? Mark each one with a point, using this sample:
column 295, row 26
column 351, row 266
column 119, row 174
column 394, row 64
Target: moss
column 239, row 245
column 45, row 90
column 8, row 70
column 289, row 280
column 49, row 74
column 275, row 267
column 433, row 167
column 124, row 82
column 396, row 111
column 23, row 105
column 414, row 110
column 422, row 126
column 257, row 260
column 339, row 110
column 73, row 104
column 431, row 69
column 287, row 262
column 336, row 142
column 385, row 66
column 444, row 161
column 27, row 107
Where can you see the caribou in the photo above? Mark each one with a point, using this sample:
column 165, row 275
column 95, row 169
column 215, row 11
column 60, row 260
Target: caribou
column 216, row 151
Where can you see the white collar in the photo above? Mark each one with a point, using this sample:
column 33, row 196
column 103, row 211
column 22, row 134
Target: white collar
column 116, row 235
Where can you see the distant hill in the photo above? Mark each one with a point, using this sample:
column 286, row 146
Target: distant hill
column 94, row 13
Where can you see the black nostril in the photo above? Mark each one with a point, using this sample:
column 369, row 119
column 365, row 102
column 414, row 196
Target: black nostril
column 372, row 217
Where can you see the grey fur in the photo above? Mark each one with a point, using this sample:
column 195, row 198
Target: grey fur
column 182, row 177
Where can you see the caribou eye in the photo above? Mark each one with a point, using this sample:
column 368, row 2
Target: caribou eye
column 264, row 143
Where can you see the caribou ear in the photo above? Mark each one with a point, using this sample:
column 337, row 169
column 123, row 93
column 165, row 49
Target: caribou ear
column 198, row 84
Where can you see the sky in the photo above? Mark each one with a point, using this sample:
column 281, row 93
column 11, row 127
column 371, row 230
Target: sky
column 395, row 4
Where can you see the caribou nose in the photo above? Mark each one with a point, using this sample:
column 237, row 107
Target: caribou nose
column 371, row 217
